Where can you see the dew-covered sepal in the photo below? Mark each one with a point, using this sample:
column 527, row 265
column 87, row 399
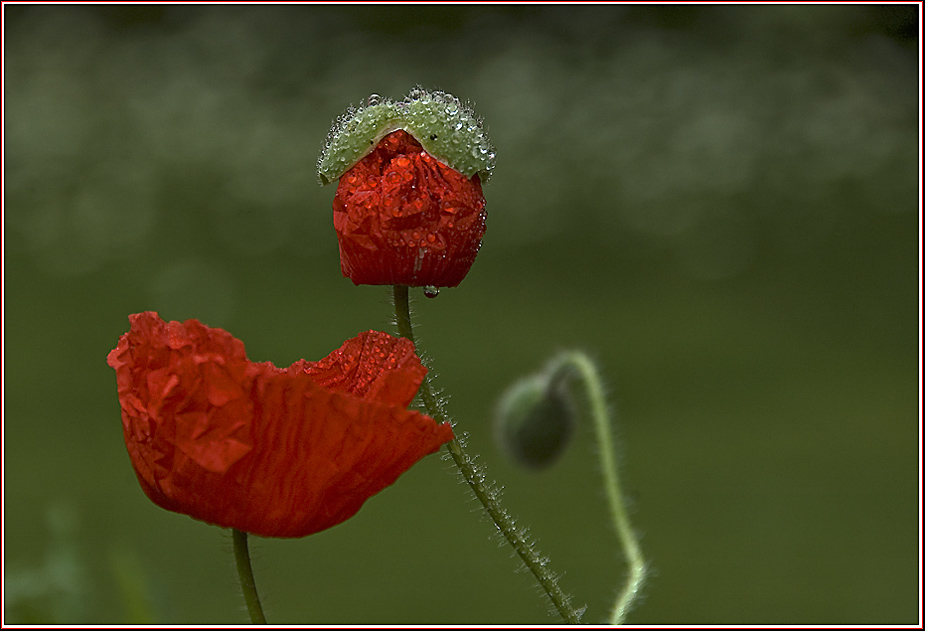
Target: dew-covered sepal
column 447, row 129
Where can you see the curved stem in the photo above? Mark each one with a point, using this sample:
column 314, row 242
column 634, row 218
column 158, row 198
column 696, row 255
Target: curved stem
column 484, row 491
column 242, row 560
column 618, row 512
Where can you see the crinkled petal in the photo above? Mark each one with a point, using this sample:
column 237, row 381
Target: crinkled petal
column 275, row 452
column 374, row 366
column 404, row 218
column 323, row 453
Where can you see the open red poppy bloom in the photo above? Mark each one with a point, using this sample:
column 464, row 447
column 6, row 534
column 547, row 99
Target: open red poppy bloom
column 403, row 218
column 277, row 452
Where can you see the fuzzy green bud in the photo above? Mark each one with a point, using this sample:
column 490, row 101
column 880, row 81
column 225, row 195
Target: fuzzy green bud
column 536, row 419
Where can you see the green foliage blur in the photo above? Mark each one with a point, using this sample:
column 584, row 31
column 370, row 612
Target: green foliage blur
column 719, row 203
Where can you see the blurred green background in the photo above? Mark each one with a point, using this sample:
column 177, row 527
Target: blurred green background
column 720, row 204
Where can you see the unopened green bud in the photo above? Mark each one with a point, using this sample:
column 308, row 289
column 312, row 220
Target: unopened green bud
column 536, row 419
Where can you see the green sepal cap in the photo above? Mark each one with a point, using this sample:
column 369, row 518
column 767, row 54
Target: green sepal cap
column 447, row 129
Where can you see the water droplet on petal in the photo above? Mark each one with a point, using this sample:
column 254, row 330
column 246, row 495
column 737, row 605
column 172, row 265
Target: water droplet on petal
column 373, row 99
column 431, row 292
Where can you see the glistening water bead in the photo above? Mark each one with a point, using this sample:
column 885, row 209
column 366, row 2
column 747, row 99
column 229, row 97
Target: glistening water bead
column 431, row 292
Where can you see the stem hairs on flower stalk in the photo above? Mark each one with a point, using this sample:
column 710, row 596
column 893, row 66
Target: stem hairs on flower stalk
column 534, row 424
column 487, row 492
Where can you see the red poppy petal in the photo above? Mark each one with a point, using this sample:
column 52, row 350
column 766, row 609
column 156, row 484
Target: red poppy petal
column 374, row 366
column 183, row 403
column 323, row 453
column 266, row 450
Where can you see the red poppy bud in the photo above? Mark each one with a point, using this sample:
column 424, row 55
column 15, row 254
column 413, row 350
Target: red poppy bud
column 270, row 451
column 409, row 208
column 404, row 218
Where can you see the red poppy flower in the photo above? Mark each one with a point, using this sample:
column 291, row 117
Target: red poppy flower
column 404, row 218
column 277, row 452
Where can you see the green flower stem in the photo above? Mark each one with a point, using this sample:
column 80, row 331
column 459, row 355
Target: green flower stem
column 486, row 494
column 637, row 567
column 242, row 560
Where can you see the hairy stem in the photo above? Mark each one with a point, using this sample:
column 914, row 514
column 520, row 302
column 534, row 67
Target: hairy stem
column 486, row 494
column 598, row 407
column 242, row 560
